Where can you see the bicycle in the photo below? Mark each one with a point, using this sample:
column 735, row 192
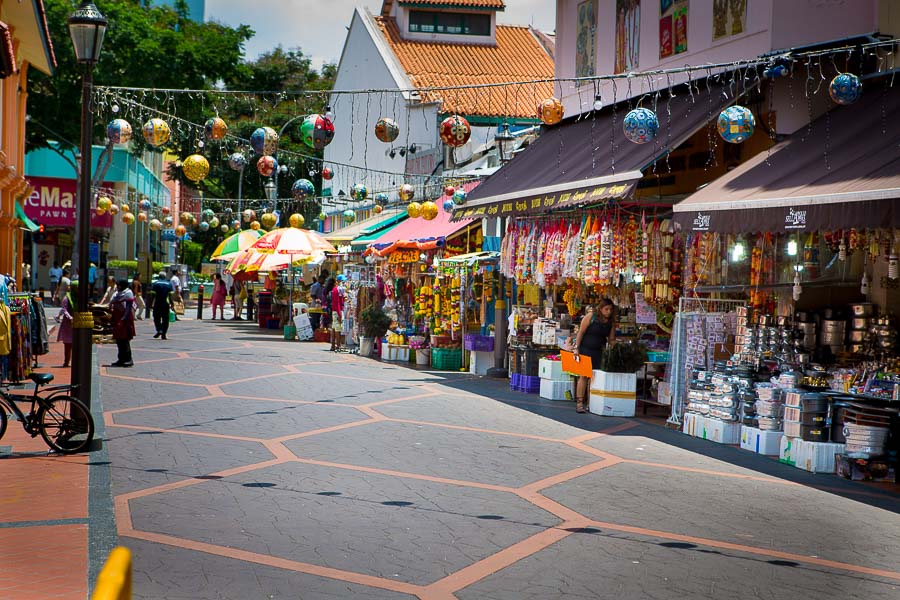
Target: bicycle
column 63, row 421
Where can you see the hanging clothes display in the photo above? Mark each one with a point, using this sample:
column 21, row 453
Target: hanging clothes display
column 15, row 337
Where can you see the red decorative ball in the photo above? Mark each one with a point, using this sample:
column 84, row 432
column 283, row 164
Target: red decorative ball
column 455, row 131
column 327, row 174
column 448, row 191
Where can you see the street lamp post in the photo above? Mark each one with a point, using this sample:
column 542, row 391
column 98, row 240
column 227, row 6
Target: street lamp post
column 87, row 27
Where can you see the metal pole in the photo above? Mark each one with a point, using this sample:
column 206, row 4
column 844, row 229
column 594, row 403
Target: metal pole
column 240, row 215
column 83, row 323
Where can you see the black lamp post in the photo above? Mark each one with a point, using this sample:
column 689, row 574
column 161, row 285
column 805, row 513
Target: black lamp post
column 505, row 142
column 86, row 28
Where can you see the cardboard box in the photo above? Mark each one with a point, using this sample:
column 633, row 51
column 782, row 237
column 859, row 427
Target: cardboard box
column 552, row 370
column 691, row 421
column 556, row 390
column 761, row 442
column 861, row 469
column 613, row 394
column 480, row 362
column 721, row 432
column 815, row 457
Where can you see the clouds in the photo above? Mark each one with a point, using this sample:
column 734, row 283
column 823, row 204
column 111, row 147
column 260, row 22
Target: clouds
column 319, row 28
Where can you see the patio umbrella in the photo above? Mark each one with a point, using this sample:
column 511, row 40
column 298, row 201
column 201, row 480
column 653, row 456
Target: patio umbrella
column 250, row 261
column 293, row 243
column 234, row 244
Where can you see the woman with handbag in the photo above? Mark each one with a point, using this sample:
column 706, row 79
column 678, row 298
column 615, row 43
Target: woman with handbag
column 596, row 332
column 122, row 306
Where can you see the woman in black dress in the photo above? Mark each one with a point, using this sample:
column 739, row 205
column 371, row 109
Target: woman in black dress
column 597, row 330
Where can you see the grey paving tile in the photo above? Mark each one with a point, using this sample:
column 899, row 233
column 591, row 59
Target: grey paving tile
column 199, row 372
column 407, row 530
column 124, row 393
column 438, row 452
column 316, row 388
column 243, row 417
column 791, row 518
column 625, row 566
column 144, row 459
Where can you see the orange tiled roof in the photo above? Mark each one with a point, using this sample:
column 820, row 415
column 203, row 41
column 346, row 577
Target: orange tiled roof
column 495, row 4
column 517, row 56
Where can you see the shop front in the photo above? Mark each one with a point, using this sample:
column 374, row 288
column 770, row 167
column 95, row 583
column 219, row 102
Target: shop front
column 787, row 336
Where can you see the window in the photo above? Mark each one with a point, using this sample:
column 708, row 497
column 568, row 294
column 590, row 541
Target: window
column 421, row 21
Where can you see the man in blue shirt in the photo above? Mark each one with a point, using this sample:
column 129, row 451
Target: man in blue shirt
column 161, row 294
column 92, row 279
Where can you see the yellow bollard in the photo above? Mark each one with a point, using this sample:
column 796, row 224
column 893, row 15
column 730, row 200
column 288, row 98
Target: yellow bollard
column 114, row 581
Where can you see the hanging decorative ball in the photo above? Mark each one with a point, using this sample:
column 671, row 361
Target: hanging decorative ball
column 370, row 259
column 776, row 72
column 264, row 141
column 449, row 205
column 223, row 228
column 142, row 217
column 266, row 165
column 296, row 220
column 303, row 189
column 186, row 218
column 168, row 221
column 845, row 88
column 322, row 216
column 119, row 131
column 317, row 131
column 378, row 209
column 207, row 214
column 459, row 197
column 113, row 209
column 214, row 222
column 228, row 211
column 382, row 198
column 254, row 225
column 195, row 167
column 125, row 208
column 349, row 216
column 736, row 124
column 640, row 125
column 268, row 220
column 249, row 215
column 550, row 111
column 156, row 132
column 455, row 131
column 237, row 161
column 128, row 218
column 414, row 210
column 215, row 129
column 99, row 211
column 429, row 210
column 166, row 210
column 204, row 226
column 180, row 231
column 327, row 174
column 103, row 203
column 387, row 130
column 145, row 205
column 448, row 190
column 155, row 225
column 359, row 192
column 235, row 224
column 407, row 192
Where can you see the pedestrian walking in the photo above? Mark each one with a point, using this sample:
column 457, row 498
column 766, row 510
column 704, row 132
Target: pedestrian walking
column 326, row 302
column 65, row 318
column 92, row 279
column 238, row 295
column 337, row 314
column 26, row 277
column 138, row 290
column 218, row 297
column 55, row 276
column 122, row 306
column 177, row 298
column 596, row 332
column 111, row 289
column 64, row 285
column 161, row 295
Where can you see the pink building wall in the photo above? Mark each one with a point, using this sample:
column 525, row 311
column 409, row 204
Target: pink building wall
column 770, row 25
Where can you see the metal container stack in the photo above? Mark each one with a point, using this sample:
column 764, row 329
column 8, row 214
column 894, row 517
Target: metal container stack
column 769, row 407
column 806, row 416
column 860, row 336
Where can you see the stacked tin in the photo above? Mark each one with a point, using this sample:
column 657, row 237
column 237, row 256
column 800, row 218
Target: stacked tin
column 806, row 416
column 769, row 407
column 861, row 320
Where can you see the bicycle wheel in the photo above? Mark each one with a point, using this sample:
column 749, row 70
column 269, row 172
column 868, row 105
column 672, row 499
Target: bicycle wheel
column 3, row 419
column 65, row 424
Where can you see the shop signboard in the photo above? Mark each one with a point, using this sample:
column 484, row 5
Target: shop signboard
column 54, row 203
column 403, row 256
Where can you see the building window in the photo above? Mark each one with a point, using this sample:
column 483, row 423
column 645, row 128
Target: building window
column 421, row 21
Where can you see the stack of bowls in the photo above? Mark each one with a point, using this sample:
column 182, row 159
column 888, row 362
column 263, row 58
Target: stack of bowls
column 860, row 323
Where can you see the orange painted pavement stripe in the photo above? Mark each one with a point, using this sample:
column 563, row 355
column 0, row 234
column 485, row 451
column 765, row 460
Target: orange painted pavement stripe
column 567, row 475
column 486, row 567
column 147, row 380
column 551, row 506
column 711, row 472
column 297, row 436
column 528, row 436
column 119, row 411
column 396, row 400
column 281, row 563
column 748, row 549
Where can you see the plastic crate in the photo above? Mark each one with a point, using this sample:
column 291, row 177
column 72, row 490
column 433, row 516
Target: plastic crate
column 446, row 359
column 478, row 343
column 528, row 360
column 514, row 380
column 658, row 357
column 529, row 385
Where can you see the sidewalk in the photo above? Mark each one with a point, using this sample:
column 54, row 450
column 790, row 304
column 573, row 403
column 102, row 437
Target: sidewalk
column 44, row 518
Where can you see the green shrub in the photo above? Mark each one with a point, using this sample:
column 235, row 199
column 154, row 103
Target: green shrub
column 623, row 357
column 374, row 322
column 131, row 265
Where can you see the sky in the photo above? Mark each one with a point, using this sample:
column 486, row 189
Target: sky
column 319, row 27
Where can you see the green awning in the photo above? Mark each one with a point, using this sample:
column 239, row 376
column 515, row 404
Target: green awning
column 364, row 240
column 26, row 222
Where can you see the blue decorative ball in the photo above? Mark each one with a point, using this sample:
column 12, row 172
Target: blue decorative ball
column 381, row 198
column 204, row 226
column 119, row 131
column 459, row 197
column 303, row 189
column 845, row 88
column 145, row 205
column 264, row 141
column 237, row 161
column 641, row 125
column 449, row 205
column 736, row 124
column 359, row 192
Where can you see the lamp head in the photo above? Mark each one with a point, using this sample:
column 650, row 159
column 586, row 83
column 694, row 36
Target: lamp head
column 87, row 26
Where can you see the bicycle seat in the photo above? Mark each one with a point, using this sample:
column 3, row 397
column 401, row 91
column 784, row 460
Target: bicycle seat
column 41, row 378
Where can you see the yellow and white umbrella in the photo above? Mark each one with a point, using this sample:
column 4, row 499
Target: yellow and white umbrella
column 233, row 245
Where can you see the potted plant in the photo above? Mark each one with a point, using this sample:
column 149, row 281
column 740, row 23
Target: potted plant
column 614, row 385
column 373, row 323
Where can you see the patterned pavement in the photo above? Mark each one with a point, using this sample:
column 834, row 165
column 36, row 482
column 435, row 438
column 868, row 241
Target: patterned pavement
column 244, row 466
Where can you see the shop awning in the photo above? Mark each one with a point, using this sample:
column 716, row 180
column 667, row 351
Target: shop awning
column 27, row 223
column 843, row 172
column 364, row 240
column 472, row 258
column 586, row 159
column 371, row 225
column 419, row 233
